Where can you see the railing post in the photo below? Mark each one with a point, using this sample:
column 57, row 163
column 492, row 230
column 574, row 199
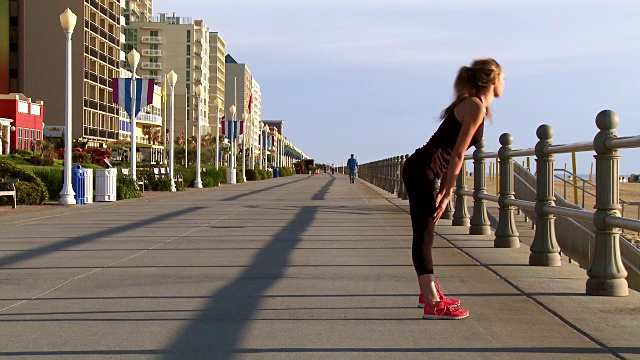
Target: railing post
column 396, row 174
column 544, row 249
column 480, row 224
column 400, row 177
column 461, row 215
column 448, row 212
column 404, row 189
column 606, row 273
column 506, row 234
column 392, row 175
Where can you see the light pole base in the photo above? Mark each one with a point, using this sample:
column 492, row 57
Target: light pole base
column 173, row 186
column 197, row 184
column 231, row 176
column 67, row 195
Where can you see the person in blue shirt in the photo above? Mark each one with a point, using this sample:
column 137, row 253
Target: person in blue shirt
column 352, row 165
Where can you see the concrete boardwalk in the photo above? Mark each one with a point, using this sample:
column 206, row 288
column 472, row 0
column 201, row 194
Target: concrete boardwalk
column 305, row 267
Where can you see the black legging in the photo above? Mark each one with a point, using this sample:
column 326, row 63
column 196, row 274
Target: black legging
column 419, row 183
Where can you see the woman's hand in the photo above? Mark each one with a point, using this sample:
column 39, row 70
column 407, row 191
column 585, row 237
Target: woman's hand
column 442, row 200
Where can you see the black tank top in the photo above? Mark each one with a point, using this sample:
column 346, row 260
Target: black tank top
column 436, row 153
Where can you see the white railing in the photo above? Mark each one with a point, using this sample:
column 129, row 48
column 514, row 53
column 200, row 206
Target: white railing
column 152, row 39
column 148, row 118
column 151, row 52
column 151, row 65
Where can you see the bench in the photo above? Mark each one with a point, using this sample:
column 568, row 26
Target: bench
column 11, row 192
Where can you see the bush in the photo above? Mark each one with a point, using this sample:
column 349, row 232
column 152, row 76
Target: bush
column 126, row 188
column 239, row 178
column 217, row 175
column 23, row 153
column 161, row 184
column 81, row 157
column 252, row 175
column 52, row 178
column 263, row 174
column 269, row 174
column 208, row 181
column 41, row 160
column 188, row 175
column 29, row 182
column 28, row 193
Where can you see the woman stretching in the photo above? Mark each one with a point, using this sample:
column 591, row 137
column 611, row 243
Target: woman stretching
column 462, row 127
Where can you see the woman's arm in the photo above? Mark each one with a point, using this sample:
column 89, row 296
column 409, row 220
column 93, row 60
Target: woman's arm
column 471, row 112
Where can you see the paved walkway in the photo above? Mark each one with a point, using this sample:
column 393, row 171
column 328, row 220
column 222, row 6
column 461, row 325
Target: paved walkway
column 301, row 267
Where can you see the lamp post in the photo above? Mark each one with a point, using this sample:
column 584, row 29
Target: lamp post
column 68, row 22
column 231, row 171
column 218, row 104
column 245, row 117
column 198, row 182
column 134, row 58
column 172, row 78
column 266, row 130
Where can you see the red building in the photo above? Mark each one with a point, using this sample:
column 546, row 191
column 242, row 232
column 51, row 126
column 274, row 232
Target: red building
column 21, row 122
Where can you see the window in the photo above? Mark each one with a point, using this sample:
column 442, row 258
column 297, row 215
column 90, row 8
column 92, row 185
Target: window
column 188, row 50
column 38, row 135
column 188, row 63
column 19, row 138
column 154, row 47
column 153, row 33
column 188, row 36
column 188, row 77
column 33, row 134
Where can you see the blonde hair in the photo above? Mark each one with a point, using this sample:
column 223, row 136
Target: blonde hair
column 471, row 79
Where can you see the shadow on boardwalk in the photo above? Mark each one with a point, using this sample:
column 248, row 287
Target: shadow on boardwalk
column 218, row 328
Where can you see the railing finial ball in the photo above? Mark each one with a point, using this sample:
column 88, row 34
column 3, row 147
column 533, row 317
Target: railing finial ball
column 607, row 120
column 481, row 144
column 544, row 132
column 506, row 139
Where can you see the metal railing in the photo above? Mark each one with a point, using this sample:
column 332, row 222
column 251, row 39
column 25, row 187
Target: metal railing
column 590, row 238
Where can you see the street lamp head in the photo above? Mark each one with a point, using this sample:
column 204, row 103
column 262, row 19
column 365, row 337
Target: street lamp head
column 68, row 20
column 199, row 90
column 172, row 78
column 232, row 110
column 134, row 57
column 245, row 116
column 217, row 102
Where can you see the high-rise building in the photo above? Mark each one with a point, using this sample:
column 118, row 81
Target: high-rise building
column 137, row 10
column 217, row 51
column 240, row 86
column 11, row 18
column 95, row 60
column 180, row 44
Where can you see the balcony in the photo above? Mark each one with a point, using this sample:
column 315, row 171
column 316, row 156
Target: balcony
column 198, row 41
column 151, row 52
column 152, row 39
column 157, row 78
column 151, row 65
column 151, row 119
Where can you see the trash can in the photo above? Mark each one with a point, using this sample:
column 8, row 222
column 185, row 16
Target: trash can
column 276, row 172
column 88, row 186
column 106, row 184
column 77, row 182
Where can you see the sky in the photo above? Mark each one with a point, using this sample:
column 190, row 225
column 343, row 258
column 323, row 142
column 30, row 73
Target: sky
column 370, row 77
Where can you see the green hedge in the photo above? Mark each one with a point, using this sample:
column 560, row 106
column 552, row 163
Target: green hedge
column 52, row 179
column 30, row 190
column 252, row 175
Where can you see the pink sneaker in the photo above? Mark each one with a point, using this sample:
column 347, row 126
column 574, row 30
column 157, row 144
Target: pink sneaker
column 443, row 311
column 450, row 301
column 442, row 297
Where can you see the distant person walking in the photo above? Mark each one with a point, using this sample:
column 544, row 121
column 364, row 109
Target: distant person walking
column 352, row 165
column 442, row 157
